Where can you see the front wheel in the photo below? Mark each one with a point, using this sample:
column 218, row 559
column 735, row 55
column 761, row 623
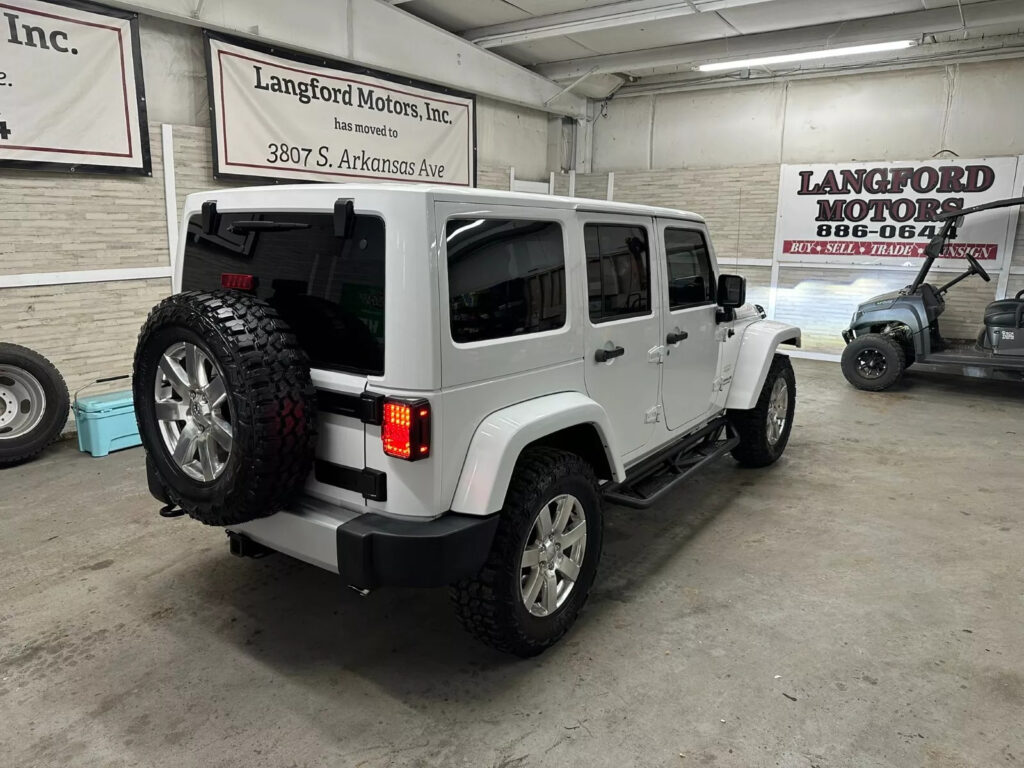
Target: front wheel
column 543, row 559
column 873, row 362
column 764, row 429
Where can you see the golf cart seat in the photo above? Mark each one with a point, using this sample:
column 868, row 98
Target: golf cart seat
column 1005, row 313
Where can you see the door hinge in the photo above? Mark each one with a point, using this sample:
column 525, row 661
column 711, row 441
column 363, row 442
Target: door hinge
column 653, row 416
column 720, row 383
column 656, row 355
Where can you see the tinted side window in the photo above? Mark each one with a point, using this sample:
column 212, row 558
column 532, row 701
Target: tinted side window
column 506, row 277
column 329, row 290
column 690, row 280
column 618, row 271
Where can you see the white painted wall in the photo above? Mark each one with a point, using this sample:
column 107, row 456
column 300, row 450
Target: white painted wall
column 508, row 135
column 971, row 109
column 173, row 60
column 174, row 66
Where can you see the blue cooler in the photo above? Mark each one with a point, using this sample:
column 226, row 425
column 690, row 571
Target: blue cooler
column 106, row 423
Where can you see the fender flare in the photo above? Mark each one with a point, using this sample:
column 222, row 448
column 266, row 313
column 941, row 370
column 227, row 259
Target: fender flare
column 906, row 316
column 757, row 348
column 503, row 435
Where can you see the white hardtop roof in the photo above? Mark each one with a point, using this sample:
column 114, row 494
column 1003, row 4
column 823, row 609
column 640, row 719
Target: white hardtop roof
column 441, row 192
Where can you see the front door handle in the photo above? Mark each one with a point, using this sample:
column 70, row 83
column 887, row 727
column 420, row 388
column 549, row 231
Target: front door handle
column 604, row 355
column 675, row 338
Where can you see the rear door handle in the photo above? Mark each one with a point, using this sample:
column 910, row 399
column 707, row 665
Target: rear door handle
column 675, row 338
column 604, row 355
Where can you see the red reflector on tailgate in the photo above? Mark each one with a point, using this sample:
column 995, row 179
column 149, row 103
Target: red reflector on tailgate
column 236, row 282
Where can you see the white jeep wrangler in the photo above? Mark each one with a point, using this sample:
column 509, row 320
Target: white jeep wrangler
column 424, row 386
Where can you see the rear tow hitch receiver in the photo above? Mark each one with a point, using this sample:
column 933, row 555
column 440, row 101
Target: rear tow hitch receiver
column 242, row 546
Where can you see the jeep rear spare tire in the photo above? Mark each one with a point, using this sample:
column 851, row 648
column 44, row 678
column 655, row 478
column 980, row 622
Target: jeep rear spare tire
column 225, row 405
column 33, row 403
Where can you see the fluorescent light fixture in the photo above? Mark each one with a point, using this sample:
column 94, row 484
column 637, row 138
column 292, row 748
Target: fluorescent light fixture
column 826, row 53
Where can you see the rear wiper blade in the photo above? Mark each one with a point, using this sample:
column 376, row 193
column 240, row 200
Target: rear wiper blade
column 242, row 227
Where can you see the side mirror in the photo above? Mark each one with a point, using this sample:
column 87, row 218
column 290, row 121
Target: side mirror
column 732, row 291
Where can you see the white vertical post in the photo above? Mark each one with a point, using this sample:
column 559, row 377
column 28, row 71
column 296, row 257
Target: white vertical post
column 170, row 193
column 551, row 183
column 773, row 287
column 611, row 185
column 512, row 179
column 1009, row 242
column 572, row 183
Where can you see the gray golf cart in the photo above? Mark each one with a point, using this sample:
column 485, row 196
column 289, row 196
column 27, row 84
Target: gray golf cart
column 890, row 332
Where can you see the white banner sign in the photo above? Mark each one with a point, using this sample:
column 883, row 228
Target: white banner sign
column 70, row 88
column 284, row 119
column 884, row 213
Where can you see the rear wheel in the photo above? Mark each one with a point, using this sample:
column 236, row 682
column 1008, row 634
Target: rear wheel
column 543, row 559
column 225, row 406
column 34, row 403
column 873, row 362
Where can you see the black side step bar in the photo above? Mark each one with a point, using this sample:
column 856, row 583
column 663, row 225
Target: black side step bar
column 657, row 475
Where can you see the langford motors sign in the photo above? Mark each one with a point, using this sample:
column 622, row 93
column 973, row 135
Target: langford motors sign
column 71, row 92
column 289, row 117
column 879, row 212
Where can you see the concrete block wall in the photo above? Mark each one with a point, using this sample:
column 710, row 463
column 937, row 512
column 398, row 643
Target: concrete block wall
column 57, row 222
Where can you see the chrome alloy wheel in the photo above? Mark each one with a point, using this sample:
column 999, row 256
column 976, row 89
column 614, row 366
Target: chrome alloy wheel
column 192, row 411
column 778, row 410
column 871, row 364
column 22, row 402
column 553, row 555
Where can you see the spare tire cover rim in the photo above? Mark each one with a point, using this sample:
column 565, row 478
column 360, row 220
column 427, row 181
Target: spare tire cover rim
column 22, row 402
column 193, row 411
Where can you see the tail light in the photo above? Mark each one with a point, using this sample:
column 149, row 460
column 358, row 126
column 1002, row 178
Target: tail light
column 405, row 431
column 236, row 282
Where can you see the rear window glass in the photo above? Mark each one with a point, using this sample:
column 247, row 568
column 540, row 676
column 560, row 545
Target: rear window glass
column 329, row 290
column 506, row 277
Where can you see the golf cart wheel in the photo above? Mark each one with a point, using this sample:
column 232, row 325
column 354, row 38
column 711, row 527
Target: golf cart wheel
column 543, row 559
column 873, row 362
column 34, row 404
column 225, row 406
column 764, row 429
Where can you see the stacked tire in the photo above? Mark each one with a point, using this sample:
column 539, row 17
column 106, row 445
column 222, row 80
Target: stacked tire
column 34, row 404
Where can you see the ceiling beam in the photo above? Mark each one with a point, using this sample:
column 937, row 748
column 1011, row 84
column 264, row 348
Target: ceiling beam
column 608, row 16
column 911, row 25
column 375, row 34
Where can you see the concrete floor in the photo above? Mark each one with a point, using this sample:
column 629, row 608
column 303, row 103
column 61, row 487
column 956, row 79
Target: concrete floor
column 859, row 604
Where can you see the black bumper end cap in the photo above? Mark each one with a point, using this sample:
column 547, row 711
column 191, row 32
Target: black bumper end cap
column 377, row 551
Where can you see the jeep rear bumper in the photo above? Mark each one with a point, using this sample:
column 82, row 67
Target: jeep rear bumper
column 369, row 550
column 375, row 551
